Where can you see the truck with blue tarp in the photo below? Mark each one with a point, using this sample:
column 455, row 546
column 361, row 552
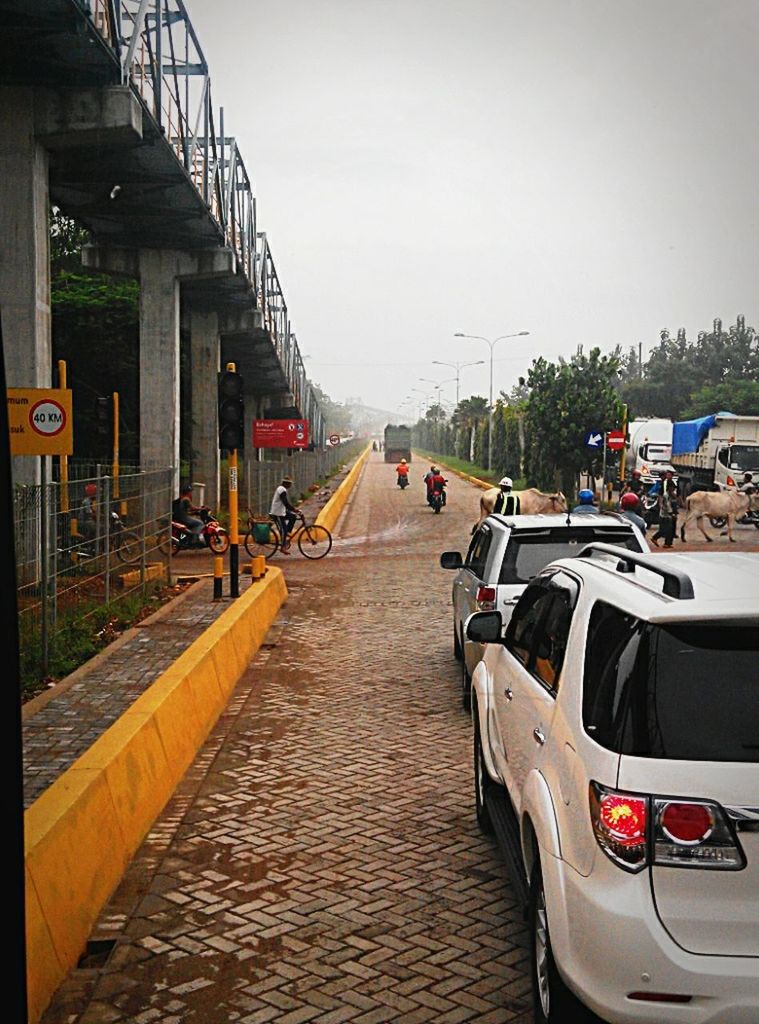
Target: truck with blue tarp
column 714, row 452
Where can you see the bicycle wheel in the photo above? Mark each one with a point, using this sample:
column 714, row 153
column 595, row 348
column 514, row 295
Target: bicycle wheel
column 314, row 541
column 128, row 547
column 267, row 548
column 218, row 542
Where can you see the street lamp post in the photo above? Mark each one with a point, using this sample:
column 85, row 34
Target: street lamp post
column 458, row 367
column 438, row 385
column 491, row 344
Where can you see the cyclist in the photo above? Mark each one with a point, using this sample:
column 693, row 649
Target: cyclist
column 506, row 503
column 283, row 512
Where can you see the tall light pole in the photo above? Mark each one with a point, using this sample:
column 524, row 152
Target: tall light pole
column 458, row 367
column 438, row 385
column 492, row 344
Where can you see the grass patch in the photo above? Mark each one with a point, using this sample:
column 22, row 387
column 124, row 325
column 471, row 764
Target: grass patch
column 470, row 468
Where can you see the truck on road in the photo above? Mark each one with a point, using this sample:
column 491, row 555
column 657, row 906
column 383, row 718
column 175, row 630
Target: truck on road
column 649, row 448
column 713, row 453
column 397, row 443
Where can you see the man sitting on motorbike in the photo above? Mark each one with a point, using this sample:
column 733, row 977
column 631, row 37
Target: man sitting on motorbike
column 402, row 470
column 635, row 484
column 87, row 524
column 436, row 485
column 181, row 512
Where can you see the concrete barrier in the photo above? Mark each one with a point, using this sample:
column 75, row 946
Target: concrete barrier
column 82, row 832
column 330, row 514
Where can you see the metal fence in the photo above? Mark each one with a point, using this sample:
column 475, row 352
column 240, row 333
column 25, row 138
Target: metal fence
column 306, row 469
column 83, row 545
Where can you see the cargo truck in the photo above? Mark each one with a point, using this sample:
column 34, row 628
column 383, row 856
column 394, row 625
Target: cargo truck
column 397, row 443
column 649, row 448
column 713, row 453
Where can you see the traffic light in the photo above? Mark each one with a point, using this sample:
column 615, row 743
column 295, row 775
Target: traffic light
column 103, row 416
column 231, row 411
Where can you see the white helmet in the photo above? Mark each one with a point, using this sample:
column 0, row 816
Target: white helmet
column 506, row 482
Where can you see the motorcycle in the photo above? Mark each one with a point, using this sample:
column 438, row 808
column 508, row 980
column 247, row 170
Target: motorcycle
column 127, row 544
column 436, row 500
column 750, row 518
column 403, row 482
column 213, row 535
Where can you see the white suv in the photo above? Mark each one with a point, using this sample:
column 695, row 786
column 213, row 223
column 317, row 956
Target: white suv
column 616, row 749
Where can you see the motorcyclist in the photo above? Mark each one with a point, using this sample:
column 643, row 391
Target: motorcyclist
column 87, row 524
column 635, row 484
column 586, row 505
column 506, row 502
column 436, row 485
column 402, row 470
column 630, row 508
column 747, row 484
column 182, row 512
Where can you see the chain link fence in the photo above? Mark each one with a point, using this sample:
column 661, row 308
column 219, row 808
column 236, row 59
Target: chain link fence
column 82, row 547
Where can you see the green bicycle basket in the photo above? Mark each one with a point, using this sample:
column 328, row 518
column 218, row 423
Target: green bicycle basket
column 262, row 533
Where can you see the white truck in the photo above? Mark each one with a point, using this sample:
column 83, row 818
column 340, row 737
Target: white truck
column 714, row 452
column 649, row 448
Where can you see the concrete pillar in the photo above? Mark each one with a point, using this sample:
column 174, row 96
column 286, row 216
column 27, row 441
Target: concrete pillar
column 159, row 360
column 205, row 350
column 24, row 254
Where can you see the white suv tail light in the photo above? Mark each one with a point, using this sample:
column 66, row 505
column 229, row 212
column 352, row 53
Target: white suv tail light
column 485, row 599
column 635, row 830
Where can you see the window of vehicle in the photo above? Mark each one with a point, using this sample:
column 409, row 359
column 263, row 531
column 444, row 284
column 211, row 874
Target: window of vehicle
column 529, row 552
column 685, row 692
column 477, row 555
column 744, row 457
column 551, row 640
column 525, row 620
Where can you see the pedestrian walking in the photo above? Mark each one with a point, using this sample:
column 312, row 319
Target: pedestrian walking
column 667, row 503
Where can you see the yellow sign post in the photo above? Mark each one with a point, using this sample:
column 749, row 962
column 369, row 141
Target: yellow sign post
column 40, row 421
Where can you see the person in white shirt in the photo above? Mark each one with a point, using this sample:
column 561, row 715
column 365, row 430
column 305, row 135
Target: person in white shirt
column 283, row 512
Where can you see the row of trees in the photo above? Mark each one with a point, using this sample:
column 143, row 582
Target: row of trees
column 540, row 427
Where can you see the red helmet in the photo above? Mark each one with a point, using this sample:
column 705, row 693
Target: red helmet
column 90, row 489
column 628, row 500
column 635, row 472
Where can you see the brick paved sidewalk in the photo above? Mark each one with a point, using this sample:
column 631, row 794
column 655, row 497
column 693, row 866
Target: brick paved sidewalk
column 320, row 861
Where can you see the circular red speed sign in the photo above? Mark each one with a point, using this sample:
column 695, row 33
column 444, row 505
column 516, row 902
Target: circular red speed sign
column 615, row 440
column 47, row 417
column 334, row 439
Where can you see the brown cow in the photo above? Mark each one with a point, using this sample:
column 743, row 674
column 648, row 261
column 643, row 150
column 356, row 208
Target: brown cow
column 531, row 502
column 729, row 504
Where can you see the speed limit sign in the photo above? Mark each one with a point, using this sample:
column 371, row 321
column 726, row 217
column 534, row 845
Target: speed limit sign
column 334, row 439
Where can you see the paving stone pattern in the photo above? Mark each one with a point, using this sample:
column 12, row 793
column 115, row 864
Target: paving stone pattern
column 320, row 861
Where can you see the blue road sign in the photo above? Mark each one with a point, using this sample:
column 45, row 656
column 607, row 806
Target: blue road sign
column 594, row 439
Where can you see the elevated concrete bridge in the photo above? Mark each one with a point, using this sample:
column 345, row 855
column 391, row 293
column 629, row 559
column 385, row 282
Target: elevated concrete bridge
column 106, row 111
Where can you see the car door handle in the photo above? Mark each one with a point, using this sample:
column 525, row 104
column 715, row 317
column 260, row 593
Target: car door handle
column 538, row 736
column 508, row 694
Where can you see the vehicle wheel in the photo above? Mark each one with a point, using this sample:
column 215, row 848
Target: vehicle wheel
column 128, row 547
column 466, row 686
column 314, row 541
column 168, row 544
column 267, row 548
column 457, row 651
column 218, row 542
column 718, row 522
column 553, row 1003
column 482, row 782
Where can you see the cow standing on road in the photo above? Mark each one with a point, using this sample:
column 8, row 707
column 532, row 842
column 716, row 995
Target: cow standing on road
column 531, row 502
column 728, row 504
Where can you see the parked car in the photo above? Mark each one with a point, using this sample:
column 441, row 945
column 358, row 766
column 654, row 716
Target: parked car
column 505, row 553
column 616, row 757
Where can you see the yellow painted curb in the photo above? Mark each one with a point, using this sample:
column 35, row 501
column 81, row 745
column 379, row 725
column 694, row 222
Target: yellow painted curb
column 153, row 571
column 330, row 514
column 83, row 830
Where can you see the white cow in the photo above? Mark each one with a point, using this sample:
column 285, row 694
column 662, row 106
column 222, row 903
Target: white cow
column 729, row 504
column 531, row 502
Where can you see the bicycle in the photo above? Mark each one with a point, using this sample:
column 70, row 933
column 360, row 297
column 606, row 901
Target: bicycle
column 314, row 541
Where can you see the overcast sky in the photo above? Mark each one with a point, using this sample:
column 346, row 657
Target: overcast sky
column 585, row 170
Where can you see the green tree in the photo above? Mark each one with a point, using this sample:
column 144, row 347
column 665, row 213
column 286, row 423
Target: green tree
column 738, row 396
column 567, row 399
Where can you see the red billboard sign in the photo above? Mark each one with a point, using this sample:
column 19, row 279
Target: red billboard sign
column 280, row 434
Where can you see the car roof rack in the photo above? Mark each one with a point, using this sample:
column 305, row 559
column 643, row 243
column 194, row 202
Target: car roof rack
column 676, row 583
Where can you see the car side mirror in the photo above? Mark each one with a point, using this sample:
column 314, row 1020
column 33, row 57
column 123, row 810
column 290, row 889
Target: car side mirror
column 451, row 560
column 484, row 627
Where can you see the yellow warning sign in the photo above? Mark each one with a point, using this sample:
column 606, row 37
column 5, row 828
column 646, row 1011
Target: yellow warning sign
column 40, row 421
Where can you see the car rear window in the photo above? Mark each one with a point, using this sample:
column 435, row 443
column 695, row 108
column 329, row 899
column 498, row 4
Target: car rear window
column 528, row 553
column 687, row 692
